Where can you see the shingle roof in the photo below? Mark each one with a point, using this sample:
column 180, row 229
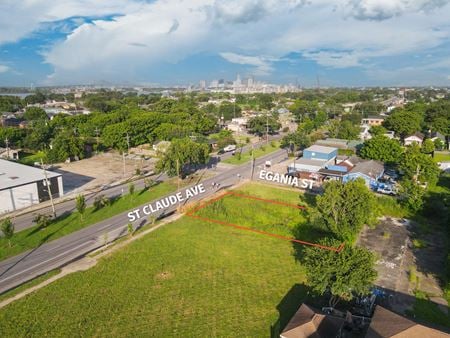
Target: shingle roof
column 308, row 322
column 370, row 168
column 385, row 324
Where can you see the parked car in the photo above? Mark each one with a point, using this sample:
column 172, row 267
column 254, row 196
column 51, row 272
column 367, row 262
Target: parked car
column 230, row 147
column 386, row 191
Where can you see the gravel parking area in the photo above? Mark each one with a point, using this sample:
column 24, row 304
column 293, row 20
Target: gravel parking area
column 100, row 170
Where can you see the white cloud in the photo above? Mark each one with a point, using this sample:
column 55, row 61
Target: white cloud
column 386, row 9
column 263, row 65
column 4, row 69
column 20, row 18
column 142, row 35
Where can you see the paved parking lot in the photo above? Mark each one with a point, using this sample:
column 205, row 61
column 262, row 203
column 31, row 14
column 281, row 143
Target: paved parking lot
column 403, row 268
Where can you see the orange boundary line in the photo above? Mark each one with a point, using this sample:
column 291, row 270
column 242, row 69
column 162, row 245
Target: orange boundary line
column 240, row 227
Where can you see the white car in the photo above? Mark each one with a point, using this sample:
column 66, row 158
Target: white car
column 230, row 147
column 386, row 191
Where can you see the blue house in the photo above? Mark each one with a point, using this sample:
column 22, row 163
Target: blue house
column 316, row 152
column 369, row 171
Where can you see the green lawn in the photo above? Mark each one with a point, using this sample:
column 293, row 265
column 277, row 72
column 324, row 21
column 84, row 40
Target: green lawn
column 27, row 285
column 246, row 156
column 441, row 156
column 190, row 278
column 30, row 158
column 426, row 310
column 33, row 237
column 272, row 218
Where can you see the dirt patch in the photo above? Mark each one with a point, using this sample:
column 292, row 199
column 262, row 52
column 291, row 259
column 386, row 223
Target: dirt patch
column 164, row 275
column 103, row 169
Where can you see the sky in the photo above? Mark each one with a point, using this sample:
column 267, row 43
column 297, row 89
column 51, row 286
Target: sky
column 175, row 42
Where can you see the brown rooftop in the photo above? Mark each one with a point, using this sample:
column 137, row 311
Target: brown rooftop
column 386, row 324
column 308, row 322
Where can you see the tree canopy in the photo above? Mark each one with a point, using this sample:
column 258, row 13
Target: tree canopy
column 344, row 275
column 404, row 122
column 258, row 125
column 382, row 148
column 418, row 166
column 181, row 154
column 344, row 208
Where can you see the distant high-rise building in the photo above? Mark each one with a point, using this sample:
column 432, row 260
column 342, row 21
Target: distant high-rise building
column 202, row 84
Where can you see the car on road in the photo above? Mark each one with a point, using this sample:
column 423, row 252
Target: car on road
column 230, row 147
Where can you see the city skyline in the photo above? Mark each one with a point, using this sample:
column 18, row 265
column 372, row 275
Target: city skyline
column 343, row 43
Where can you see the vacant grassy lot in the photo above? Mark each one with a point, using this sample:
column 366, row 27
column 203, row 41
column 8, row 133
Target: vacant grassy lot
column 64, row 225
column 188, row 279
column 246, row 156
column 272, row 218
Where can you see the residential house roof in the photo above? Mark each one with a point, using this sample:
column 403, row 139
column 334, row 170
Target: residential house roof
column 416, row 134
column 435, row 134
column 372, row 168
column 308, row 322
column 386, row 324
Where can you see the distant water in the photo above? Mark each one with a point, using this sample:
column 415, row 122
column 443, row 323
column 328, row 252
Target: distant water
column 21, row 95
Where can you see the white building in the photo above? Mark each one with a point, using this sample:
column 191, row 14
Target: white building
column 416, row 137
column 22, row 186
column 238, row 124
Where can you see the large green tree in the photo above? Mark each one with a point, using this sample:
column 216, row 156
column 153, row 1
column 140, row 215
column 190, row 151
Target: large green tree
column 411, row 195
column 418, row 166
column 344, row 208
column 298, row 140
column 427, row 146
column 181, row 154
column 382, row 148
column 404, row 122
column 65, row 145
column 35, row 113
column 344, row 275
column 348, row 131
column 258, row 125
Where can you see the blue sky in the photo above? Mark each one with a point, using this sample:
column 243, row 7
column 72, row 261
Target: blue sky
column 343, row 42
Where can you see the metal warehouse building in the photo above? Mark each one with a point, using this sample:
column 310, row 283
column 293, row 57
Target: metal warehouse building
column 22, row 186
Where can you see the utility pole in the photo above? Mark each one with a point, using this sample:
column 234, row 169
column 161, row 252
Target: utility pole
column 123, row 160
column 7, row 147
column 128, row 143
column 267, row 128
column 96, row 136
column 123, row 153
column 253, row 164
column 178, row 173
column 49, row 190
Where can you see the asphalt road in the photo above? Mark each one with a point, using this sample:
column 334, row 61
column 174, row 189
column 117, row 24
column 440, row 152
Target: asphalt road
column 25, row 220
column 33, row 263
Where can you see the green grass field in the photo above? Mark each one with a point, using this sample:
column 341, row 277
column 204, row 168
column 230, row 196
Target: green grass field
column 190, row 278
column 30, row 158
column 246, row 156
column 272, row 218
column 441, row 156
column 33, row 237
